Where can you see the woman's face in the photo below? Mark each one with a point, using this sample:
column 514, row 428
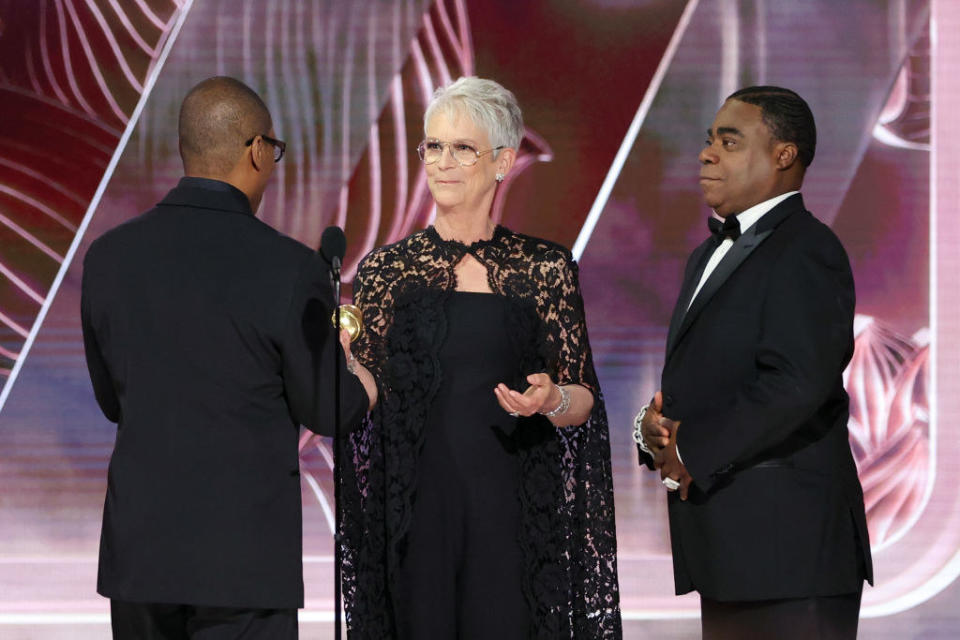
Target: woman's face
column 455, row 187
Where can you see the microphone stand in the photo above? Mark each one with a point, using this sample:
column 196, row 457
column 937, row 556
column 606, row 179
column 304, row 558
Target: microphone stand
column 337, row 553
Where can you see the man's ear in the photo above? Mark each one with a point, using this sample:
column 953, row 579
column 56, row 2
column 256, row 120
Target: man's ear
column 257, row 153
column 786, row 155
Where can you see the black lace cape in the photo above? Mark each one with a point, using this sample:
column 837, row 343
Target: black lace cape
column 567, row 536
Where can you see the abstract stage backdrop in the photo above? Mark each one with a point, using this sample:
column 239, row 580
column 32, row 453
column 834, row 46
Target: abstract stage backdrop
column 616, row 97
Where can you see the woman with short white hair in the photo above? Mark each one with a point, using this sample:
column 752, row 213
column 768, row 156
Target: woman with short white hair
column 479, row 501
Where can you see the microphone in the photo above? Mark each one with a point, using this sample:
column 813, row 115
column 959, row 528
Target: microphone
column 333, row 246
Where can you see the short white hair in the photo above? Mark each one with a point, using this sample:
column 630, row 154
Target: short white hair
column 491, row 107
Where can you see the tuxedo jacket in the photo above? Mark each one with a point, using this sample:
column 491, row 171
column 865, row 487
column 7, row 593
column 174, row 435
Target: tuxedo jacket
column 208, row 341
column 753, row 373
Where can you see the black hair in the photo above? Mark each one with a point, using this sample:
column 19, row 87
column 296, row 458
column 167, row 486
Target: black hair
column 787, row 116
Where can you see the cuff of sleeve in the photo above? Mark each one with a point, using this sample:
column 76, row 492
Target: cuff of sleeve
column 645, row 459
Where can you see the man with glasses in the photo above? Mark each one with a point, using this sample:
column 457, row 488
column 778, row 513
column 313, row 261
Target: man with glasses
column 208, row 341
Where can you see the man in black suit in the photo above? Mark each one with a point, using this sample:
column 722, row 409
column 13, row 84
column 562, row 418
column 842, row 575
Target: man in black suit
column 749, row 430
column 208, row 341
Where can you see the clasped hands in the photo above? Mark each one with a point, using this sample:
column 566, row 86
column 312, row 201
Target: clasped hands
column 660, row 436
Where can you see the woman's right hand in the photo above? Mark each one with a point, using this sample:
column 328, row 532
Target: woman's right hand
column 357, row 369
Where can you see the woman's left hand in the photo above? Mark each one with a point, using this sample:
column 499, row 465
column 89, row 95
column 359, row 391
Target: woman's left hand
column 541, row 395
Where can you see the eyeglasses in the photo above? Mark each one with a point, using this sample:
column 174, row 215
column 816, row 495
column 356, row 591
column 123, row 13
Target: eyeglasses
column 279, row 146
column 431, row 151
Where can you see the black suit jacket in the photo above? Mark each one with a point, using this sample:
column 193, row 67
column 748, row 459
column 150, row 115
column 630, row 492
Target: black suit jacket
column 753, row 372
column 204, row 331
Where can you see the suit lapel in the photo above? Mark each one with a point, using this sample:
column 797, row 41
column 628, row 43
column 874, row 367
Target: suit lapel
column 737, row 254
column 689, row 285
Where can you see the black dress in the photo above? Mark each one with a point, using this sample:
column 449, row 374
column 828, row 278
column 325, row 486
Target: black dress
column 463, row 559
column 432, row 494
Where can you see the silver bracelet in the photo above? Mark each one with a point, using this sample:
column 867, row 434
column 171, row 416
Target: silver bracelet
column 352, row 364
column 562, row 407
column 638, row 430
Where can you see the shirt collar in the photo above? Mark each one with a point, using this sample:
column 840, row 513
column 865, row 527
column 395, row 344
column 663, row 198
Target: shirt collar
column 749, row 217
column 206, row 183
column 206, row 193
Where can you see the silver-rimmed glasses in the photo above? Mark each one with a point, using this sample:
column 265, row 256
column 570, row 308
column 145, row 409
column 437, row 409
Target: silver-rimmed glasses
column 431, row 150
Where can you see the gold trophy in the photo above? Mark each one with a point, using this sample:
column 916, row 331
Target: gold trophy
column 351, row 319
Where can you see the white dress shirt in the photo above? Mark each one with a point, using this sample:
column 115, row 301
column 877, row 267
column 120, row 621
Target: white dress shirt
column 746, row 219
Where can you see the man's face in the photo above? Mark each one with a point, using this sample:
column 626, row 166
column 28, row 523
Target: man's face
column 739, row 162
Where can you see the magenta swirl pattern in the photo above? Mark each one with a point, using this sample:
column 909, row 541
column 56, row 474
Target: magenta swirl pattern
column 70, row 76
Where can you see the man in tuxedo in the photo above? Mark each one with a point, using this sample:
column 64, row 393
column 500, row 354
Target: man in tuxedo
column 208, row 341
column 749, row 429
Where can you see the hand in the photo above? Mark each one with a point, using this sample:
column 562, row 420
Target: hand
column 669, row 463
column 357, row 369
column 541, row 395
column 655, row 427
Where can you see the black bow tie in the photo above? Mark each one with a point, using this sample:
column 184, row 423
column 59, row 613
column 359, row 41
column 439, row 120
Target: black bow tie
column 727, row 228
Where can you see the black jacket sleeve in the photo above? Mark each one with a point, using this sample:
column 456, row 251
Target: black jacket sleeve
column 103, row 387
column 311, row 353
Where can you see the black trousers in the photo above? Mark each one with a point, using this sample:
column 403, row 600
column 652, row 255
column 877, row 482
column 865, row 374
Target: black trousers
column 817, row 618
column 146, row 621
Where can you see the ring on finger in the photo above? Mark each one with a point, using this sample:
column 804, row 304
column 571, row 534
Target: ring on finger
column 670, row 484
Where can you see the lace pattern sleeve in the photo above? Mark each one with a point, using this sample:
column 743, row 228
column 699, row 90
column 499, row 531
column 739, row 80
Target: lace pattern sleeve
column 561, row 309
column 371, row 294
column 583, row 516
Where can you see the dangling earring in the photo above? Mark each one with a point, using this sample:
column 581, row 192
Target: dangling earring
column 500, row 177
